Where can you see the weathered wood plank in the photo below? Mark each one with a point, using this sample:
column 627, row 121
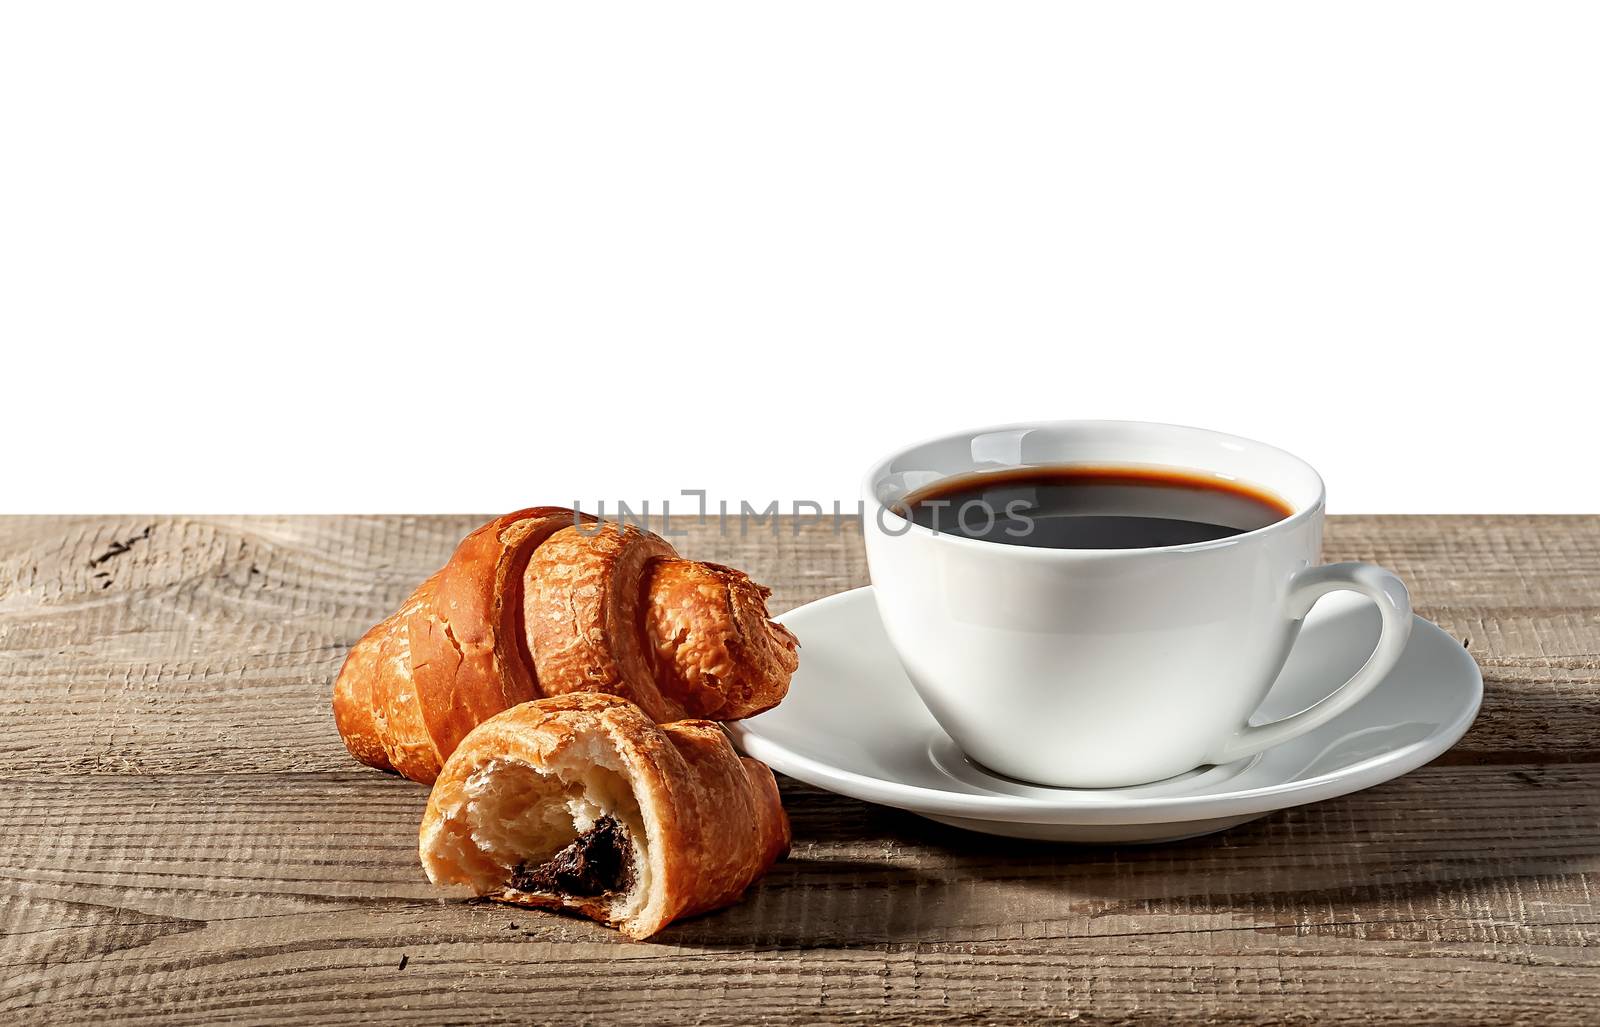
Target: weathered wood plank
column 202, row 895
column 183, row 840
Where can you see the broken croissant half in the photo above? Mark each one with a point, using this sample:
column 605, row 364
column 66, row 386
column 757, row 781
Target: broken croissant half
column 546, row 601
column 581, row 803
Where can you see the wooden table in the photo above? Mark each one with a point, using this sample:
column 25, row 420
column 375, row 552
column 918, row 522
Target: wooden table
column 185, row 839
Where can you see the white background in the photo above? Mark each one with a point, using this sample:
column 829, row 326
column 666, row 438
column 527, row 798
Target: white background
column 384, row 256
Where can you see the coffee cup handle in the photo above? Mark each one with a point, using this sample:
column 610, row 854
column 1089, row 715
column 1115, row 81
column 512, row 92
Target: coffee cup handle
column 1394, row 605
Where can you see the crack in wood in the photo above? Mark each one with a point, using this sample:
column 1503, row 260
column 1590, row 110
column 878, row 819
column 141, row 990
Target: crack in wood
column 117, row 548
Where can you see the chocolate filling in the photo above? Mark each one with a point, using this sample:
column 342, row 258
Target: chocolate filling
column 599, row 861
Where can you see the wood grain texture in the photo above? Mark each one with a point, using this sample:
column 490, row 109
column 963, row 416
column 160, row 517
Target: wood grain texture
column 184, row 840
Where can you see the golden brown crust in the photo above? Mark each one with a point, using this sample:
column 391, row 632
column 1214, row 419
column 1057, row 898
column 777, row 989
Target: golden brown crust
column 730, row 826
column 716, row 653
column 396, row 708
column 452, row 656
column 712, row 822
column 583, row 600
column 352, row 699
column 531, row 605
column 468, row 650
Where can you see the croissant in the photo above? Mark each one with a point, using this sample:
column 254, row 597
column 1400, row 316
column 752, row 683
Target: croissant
column 581, row 803
column 547, row 601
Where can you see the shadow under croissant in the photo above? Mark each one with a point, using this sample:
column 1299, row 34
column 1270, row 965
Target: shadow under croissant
column 818, row 902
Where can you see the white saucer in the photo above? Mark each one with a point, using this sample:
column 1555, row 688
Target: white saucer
column 852, row 724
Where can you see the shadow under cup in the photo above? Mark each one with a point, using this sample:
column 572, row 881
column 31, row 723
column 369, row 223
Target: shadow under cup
column 1092, row 667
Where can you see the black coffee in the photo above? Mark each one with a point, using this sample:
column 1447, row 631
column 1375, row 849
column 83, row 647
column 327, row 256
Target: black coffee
column 1092, row 507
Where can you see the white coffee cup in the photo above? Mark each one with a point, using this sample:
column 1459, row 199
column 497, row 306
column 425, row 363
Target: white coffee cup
column 1106, row 667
